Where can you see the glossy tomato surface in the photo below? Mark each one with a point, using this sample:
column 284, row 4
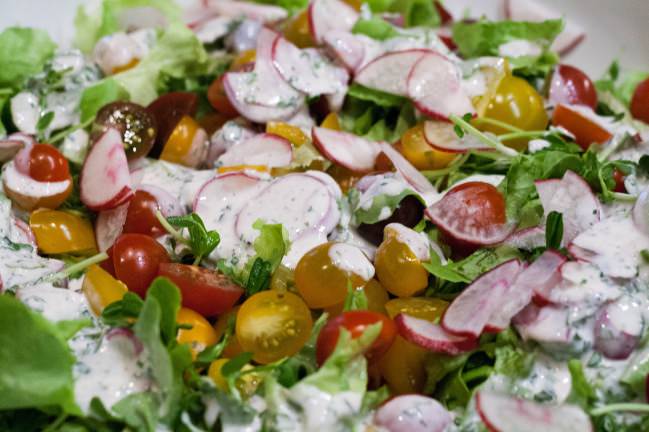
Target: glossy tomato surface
column 137, row 126
column 47, row 164
column 206, row 291
column 640, row 102
column 141, row 215
column 219, row 100
column 167, row 110
column 136, row 259
column 572, row 86
column 585, row 129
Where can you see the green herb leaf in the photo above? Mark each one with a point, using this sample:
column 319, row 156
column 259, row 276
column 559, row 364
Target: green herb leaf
column 234, row 365
column 95, row 97
column 259, row 277
column 201, row 241
column 213, row 352
column 554, row 230
column 355, row 300
column 44, row 121
column 376, row 28
column 24, row 53
column 123, row 312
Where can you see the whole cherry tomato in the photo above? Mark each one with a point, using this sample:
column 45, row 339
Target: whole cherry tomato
column 59, row 232
column 101, row 289
column 137, row 126
column 199, row 336
column 570, row 85
column 640, row 102
column 136, row 259
column 356, row 322
column 47, row 164
column 206, row 291
column 141, row 215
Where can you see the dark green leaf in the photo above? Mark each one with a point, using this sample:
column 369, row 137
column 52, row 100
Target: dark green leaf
column 122, row 313
column 234, row 365
column 44, row 121
column 376, row 28
column 554, row 230
column 377, row 97
column 202, row 241
column 417, row 13
column 355, row 300
column 643, row 166
column 259, row 277
column 581, row 393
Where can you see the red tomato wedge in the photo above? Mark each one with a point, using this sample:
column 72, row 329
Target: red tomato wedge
column 585, row 130
column 640, row 102
column 136, row 258
column 206, row 291
column 569, row 85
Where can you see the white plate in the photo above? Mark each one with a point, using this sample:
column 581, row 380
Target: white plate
column 614, row 29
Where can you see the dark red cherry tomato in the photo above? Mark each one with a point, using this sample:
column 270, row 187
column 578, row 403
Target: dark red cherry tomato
column 136, row 259
column 167, row 110
column 137, row 126
column 47, row 164
column 640, row 102
column 571, row 86
column 618, row 176
column 141, row 215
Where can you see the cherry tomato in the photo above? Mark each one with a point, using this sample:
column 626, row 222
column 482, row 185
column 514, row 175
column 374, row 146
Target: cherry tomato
column 47, row 164
column 298, row 30
column 640, row 102
column 376, row 295
column 233, row 348
column 215, row 374
column 517, row 103
column 141, row 215
column 444, row 15
column 571, row 86
column 345, row 178
column 292, row 133
column 416, row 149
column 243, row 60
column 331, row 122
column 419, row 307
column 137, row 126
column 206, row 291
column 618, row 176
column 219, row 100
column 136, row 259
column 585, row 130
column 186, row 144
column 101, row 289
column 200, row 336
column 322, row 283
column 409, row 213
column 167, row 110
column 356, row 322
column 282, row 279
column 398, row 268
column 273, row 325
column 487, row 204
column 59, row 232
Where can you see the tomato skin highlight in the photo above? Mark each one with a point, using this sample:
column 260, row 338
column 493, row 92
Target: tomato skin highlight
column 640, row 102
column 58, row 232
column 206, row 291
column 136, row 259
column 586, row 131
column 356, row 322
column 141, row 216
column 574, row 85
column 47, row 164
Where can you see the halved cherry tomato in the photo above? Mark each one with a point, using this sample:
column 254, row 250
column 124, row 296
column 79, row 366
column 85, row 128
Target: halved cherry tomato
column 136, row 259
column 585, row 130
column 200, row 336
column 243, row 59
column 137, row 126
column 356, row 322
column 60, row 232
column 167, row 110
column 292, row 133
column 419, row 307
column 101, row 289
column 233, row 168
column 185, row 145
column 416, row 149
column 141, row 215
column 232, row 349
column 331, row 122
column 376, row 296
column 487, row 204
column 345, row 178
column 272, row 325
column 206, row 291
column 298, row 30
column 219, row 100
column 215, row 374
column 572, row 86
column 640, row 102
column 618, row 176
column 47, row 164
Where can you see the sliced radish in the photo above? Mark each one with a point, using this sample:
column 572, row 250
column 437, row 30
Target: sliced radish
column 22, row 233
column 332, row 185
column 546, row 325
column 346, row 47
column 264, row 149
column 527, row 238
column 471, row 310
column 167, row 203
column 412, row 413
column 529, row 10
column 307, row 70
column 432, row 336
column 348, row 150
column 13, row 144
column 503, row 413
column 441, row 136
column 618, row 328
column 435, row 86
column 105, row 181
column 573, row 198
column 109, row 226
column 29, row 193
column 389, row 72
column 410, row 173
column 253, row 11
column 582, row 282
column 641, row 212
column 326, row 16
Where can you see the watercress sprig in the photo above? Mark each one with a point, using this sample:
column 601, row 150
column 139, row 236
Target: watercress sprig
column 201, row 240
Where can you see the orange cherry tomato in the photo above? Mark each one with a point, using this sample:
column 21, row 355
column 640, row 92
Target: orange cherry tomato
column 398, row 268
column 215, row 374
column 640, row 102
column 141, row 215
column 376, row 295
column 243, row 59
column 47, row 164
column 356, row 322
column 184, row 145
column 292, row 133
column 331, row 122
column 585, row 130
column 168, row 110
column 233, row 348
column 101, row 289
column 136, row 259
column 298, row 30
column 199, row 336
column 219, row 100
column 416, row 149
column 59, row 232
column 419, row 307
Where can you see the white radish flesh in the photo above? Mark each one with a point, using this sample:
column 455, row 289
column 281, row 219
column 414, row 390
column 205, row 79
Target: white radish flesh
column 348, row 150
column 326, row 16
column 412, row 413
column 618, row 328
column 432, row 336
column 264, row 149
column 641, row 212
column 109, row 226
column 410, row 173
column 238, row 9
column 389, row 72
column 167, row 203
column 527, row 238
column 549, row 326
column 346, row 47
column 26, row 191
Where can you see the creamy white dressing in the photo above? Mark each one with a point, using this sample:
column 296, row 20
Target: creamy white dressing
column 214, row 29
column 75, row 146
column 25, row 111
column 418, row 243
column 27, row 186
column 519, row 48
column 118, row 50
column 351, row 259
column 537, row 144
column 583, row 284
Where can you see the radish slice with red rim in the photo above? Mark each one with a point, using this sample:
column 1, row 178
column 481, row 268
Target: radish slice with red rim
column 109, row 225
column 264, row 13
column 441, row 136
column 412, row 413
column 346, row 47
column 410, row 173
column 432, row 336
column 105, row 181
column 264, row 149
column 641, row 212
column 468, row 314
column 527, row 238
column 435, row 86
column 503, row 413
column 544, row 274
column 547, row 325
column 389, row 72
column 326, row 16
column 348, row 150
column 582, row 282
column 12, row 146
column 618, row 328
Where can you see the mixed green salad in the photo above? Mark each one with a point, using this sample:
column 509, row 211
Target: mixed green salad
column 325, row 215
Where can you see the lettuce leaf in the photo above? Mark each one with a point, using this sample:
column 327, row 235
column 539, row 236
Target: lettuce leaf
column 95, row 97
column 376, row 28
column 417, row 13
column 291, row 6
column 23, row 52
column 272, row 242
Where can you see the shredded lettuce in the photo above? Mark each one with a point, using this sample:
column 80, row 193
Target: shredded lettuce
column 376, row 28
column 23, row 52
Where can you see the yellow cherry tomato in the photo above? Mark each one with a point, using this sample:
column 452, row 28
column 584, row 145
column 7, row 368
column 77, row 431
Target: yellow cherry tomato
column 518, row 104
column 492, row 75
column 232, row 349
column 345, row 178
column 59, row 232
column 282, row 279
column 101, row 289
column 243, row 58
column 398, row 268
column 273, row 325
column 214, row 372
column 259, row 168
column 424, row 157
column 430, row 309
column 180, row 147
column 292, row 133
column 320, row 282
column 356, row 4
column 200, row 336
column 331, row 122
column 298, row 30
column 377, row 298
column 130, row 65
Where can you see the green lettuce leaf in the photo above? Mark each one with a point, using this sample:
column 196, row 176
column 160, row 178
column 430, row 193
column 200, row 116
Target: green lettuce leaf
column 621, row 88
column 376, row 28
column 272, row 242
column 379, row 202
column 95, row 97
column 291, row 6
column 23, row 52
column 417, row 13
column 35, row 361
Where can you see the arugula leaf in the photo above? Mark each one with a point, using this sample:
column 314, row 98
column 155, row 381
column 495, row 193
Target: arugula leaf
column 581, row 393
column 23, row 52
column 376, row 28
column 96, row 96
column 469, row 268
column 259, row 276
column 123, row 313
column 554, row 230
column 201, row 241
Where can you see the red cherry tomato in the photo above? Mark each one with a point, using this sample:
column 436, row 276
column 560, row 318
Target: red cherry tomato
column 485, row 201
column 585, row 130
column 618, row 176
column 571, row 86
column 140, row 218
column 640, row 102
column 355, row 322
column 444, row 15
column 47, row 164
column 136, row 259
column 205, row 291
column 219, row 100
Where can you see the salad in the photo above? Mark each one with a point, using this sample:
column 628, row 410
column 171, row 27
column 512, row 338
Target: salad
column 325, row 215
